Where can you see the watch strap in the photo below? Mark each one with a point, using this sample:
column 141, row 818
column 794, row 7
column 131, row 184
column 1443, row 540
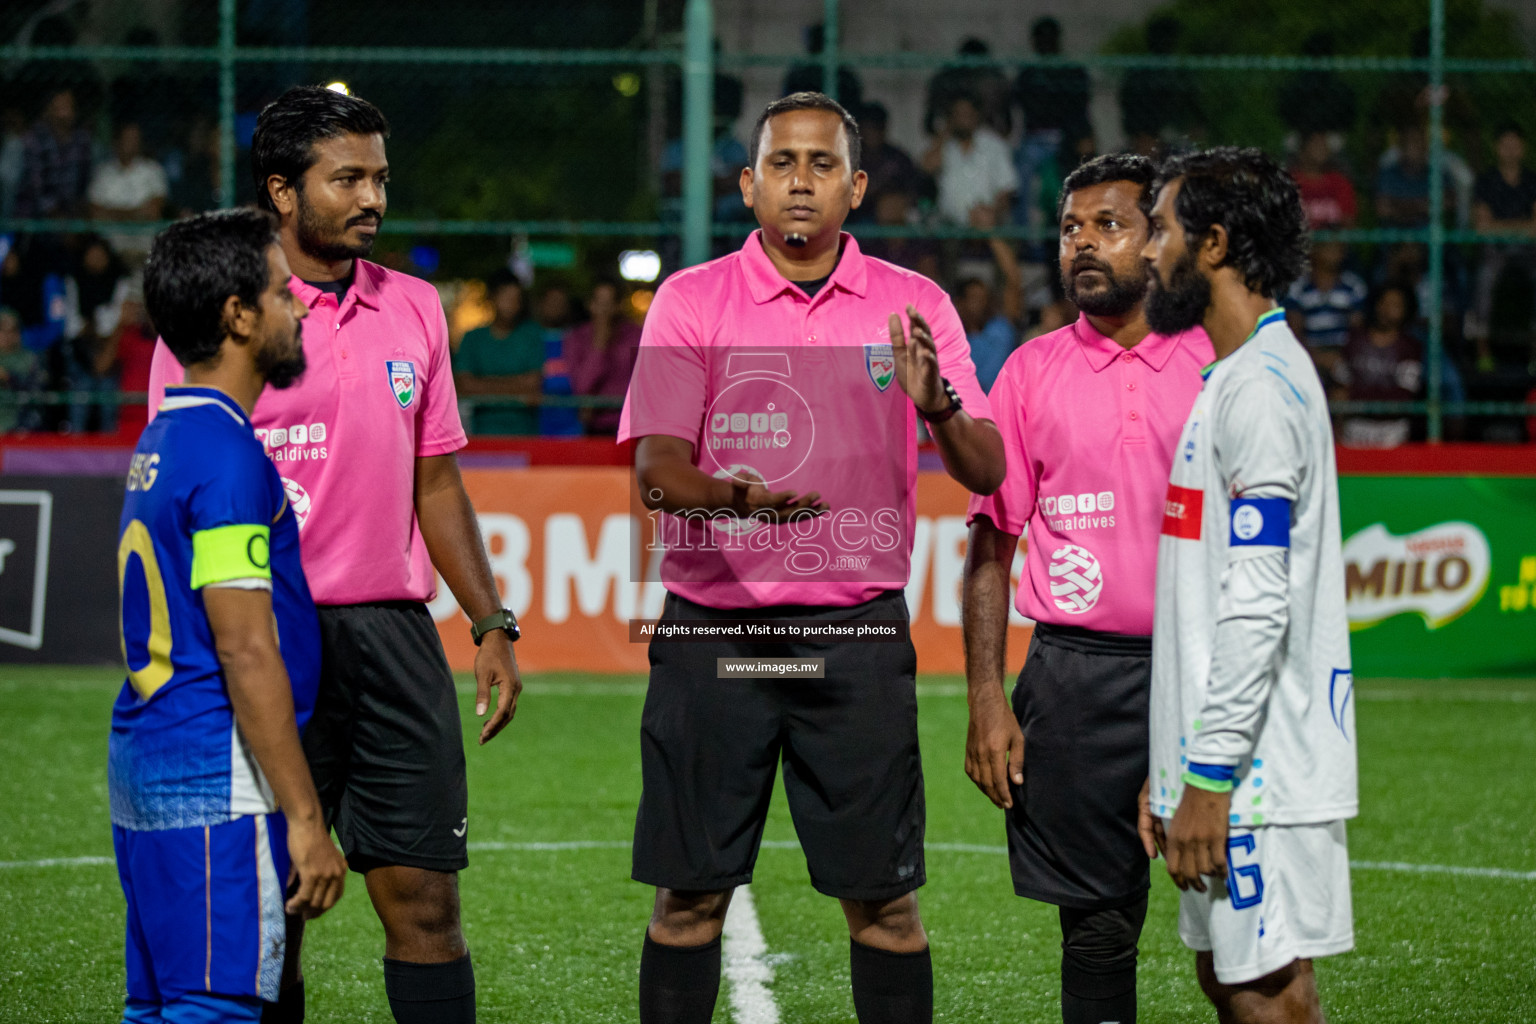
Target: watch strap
column 501, row 618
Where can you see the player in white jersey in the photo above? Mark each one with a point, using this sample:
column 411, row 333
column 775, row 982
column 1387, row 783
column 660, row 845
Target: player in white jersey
column 1252, row 728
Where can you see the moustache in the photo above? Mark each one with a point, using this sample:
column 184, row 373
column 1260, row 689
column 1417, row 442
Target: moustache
column 372, row 219
column 1083, row 263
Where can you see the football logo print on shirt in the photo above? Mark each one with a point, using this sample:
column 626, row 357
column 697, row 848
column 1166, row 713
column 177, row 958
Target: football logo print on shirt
column 402, row 381
column 880, row 361
column 1076, row 579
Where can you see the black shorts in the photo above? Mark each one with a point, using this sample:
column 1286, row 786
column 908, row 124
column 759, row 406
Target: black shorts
column 385, row 745
column 709, row 749
column 1081, row 701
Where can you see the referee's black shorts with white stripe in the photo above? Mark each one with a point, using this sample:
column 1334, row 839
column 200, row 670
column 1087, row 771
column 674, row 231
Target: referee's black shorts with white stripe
column 710, row 747
column 1081, row 701
column 385, row 745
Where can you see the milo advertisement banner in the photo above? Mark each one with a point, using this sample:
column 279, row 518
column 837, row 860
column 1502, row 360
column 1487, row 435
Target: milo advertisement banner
column 1440, row 575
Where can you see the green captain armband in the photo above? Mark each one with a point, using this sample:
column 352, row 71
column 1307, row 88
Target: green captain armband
column 236, row 552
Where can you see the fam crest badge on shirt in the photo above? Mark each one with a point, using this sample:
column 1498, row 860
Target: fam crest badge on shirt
column 880, row 361
column 402, row 381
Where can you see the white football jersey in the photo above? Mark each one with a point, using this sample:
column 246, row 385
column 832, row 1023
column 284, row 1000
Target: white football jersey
column 1250, row 646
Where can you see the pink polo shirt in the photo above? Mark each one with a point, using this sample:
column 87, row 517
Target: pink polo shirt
column 743, row 365
column 377, row 395
column 1090, row 430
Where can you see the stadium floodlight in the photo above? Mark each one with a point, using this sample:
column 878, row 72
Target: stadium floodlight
column 339, row 86
column 639, row 265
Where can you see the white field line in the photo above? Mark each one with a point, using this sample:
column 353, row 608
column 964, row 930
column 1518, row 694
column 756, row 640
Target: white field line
column 744, row 956
column 494, row 846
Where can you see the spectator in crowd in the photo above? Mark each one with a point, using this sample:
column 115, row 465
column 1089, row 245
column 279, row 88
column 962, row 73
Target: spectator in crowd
column 985, row 82
column 556, row 312
column 56, row 164
column 600, row 354
column 1160, row 106
column 506, row 357
column 1402, row 184
column 94, row 296
column 20, row 374
column 1504, row 202
column 1325, row 305
column 1318, row 101
column 1403, row 174
column 895, row 207
column 991, row 321
column 13, row 155
column 1054, row 102
column 806, row 76
column 128, row 186
column 1382, row 362
column 972, row 165
column 1326, row 193
column 131, row 348
column 194, row 171
column 727, row 154
column 887, row 166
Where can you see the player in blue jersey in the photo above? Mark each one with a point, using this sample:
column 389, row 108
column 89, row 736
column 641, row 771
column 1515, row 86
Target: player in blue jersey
column 222, row 646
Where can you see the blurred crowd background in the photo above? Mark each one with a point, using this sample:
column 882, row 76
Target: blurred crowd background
column 542, row 191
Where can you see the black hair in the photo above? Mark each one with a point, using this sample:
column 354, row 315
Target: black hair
column 289, row 127
column 973, row 47
column 194, row 266
column 1045, row 34
column 501, row 278
column 1508, row 127
column 808, row 101
column 1255, row 200
column 1410, row 302
column 874, row 113
column 1111, row 167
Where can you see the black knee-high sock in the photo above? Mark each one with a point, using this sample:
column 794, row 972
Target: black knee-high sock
column 678, row 984
column 1098, row 964
column 891, row 988
column 431, row 993
column 289, row 1008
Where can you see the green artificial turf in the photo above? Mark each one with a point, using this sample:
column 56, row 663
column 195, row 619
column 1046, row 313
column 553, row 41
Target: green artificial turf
column 1448, row 772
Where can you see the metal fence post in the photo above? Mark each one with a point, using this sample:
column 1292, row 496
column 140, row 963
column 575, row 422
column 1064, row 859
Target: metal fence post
column 226, row 103
column 829, row 48
column 698, row 129
column 1436, row 340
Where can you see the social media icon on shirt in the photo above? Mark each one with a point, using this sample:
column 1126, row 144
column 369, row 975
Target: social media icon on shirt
column 720, row 422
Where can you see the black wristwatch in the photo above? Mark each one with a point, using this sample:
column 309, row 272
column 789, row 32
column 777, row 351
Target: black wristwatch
column 500, row 619
column 948, row 411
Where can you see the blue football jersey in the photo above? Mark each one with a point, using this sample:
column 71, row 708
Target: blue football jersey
column 203, row 506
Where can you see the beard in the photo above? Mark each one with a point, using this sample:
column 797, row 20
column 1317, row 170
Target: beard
column 1182, row 303
column 281, row 370
column 322, row 241
column 1118, row 296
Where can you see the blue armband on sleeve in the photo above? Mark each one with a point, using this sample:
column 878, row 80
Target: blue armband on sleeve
column 1261, row 522
column 1215, row 777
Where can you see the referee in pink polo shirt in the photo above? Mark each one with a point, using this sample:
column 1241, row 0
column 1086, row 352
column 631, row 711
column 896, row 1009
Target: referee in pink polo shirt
column 365, row 447
column 1090, row 415
column 775, row 401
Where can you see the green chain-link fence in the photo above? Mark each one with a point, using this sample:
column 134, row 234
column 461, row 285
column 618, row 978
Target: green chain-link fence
column 613, row 128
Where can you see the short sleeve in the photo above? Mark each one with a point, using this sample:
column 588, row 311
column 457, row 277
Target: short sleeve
column 439, row 430
column 1261, row 452
column 954, row 352
column 164, row 371
column 668, row 390
column 1007, row 177
column 156, row 186
column 231, row 515
column 1011, row 505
